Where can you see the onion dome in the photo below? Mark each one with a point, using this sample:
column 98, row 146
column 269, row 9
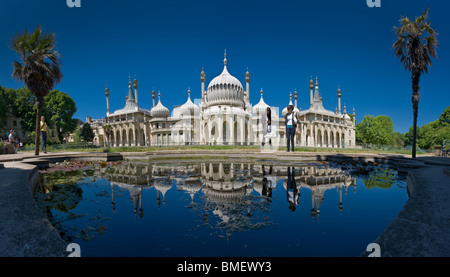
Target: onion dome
column 225, row 89
column 189, row 108
column 346, row 116
column 159, row 110
column 296, row 111
column 261, row 107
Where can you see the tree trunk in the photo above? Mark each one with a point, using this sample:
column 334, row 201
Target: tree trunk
column 39, row 105
column 415, row 102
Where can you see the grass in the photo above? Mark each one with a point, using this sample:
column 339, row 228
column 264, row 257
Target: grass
column 227, row 147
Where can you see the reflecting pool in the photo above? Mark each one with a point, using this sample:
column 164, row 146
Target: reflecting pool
column 220, row 209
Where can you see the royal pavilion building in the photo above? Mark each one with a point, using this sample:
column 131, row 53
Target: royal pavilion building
column 223, row 115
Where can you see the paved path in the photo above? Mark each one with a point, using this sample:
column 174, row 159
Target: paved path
column 422, row 228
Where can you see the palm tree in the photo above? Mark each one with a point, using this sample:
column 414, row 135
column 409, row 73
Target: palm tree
column 39, row 69
column 416, row 44
column 108, row 131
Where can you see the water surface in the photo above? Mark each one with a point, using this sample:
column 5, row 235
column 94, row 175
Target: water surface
column 220, row 209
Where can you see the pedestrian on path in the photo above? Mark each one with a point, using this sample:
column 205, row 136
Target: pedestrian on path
column 44, row 130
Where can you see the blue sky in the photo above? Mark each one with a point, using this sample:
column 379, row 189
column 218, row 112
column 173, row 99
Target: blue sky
column 283, row 43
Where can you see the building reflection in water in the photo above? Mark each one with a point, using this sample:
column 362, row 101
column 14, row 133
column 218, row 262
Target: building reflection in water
column 227, row 187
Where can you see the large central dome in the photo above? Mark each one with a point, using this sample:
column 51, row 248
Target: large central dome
column 225, row 89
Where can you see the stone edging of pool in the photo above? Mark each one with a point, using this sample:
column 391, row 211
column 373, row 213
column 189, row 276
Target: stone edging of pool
column 420, row 228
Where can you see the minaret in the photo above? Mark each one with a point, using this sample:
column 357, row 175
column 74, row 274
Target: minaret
column 295, row 97
column 153, row 96
column 136, row 90
column 202, row 79
column 107, row 100
column 339, row 99
column 316, row 93
column 354, row 115
column 247, row 92
column 311, row 87
column 130, row 96
column 345, row 110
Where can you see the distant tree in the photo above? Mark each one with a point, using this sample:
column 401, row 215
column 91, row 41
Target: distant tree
column 39, row 69
column 375, row 130
column 87, row 134
column 432, row 133
column 3, row 105
column 59, row 109
column 444, row 118
column 415, row 45
column 24, row 107
column 398, row 139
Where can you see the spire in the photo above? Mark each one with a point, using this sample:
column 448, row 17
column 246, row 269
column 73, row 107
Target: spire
column 202, row 75
column 189, row 93
column 262, row 93
column 135, row 82
column 316, row 94
column 295, row 97
column 153, row 96
column 225, row 58
column 339, row 98
column 311, row 87
column 107, row 99
column 130, row 96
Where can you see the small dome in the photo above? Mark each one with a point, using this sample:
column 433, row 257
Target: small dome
column 261, row 107
column 189, row 108
column 284, row 112
column 159, row 110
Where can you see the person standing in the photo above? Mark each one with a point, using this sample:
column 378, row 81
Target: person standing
column 291, row 125
column 44, row 130
column 12, row 140
column 267, row 127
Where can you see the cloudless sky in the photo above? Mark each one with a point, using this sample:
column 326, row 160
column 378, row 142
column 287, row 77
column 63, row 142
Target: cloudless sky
column 283, row 43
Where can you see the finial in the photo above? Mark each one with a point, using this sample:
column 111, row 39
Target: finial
column 261, row 92
column 107, row 90
column 225, row 58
